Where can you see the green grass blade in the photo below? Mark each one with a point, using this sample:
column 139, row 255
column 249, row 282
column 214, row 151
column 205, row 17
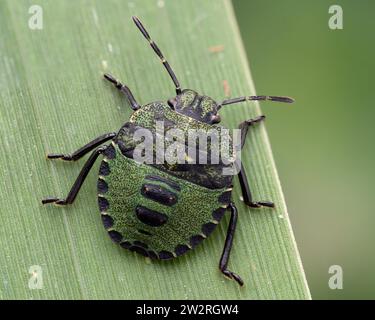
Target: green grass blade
column 53, row 99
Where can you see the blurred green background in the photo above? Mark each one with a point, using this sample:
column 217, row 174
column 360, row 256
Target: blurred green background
column 323, row 144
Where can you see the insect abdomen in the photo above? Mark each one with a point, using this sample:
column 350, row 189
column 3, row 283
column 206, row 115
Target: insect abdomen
column 156, row 190
column 152, row 212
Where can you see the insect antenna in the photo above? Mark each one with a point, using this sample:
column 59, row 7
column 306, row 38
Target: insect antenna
column 158, row 52
column 256, row 98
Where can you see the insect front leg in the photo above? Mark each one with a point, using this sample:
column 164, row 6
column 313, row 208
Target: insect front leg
column 85, row 149
column 124, row 89
column 245, row 188
column 79, row 181
column 223, row 265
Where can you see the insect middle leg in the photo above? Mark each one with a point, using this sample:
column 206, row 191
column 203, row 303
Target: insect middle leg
column 246, row 192
column 79, row 181
column 223, row 265
column 76, row 155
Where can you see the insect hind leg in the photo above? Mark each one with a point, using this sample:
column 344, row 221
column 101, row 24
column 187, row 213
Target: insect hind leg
column 223, row 265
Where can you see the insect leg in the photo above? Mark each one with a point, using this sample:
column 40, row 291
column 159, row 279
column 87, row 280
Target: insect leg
column 124, row 89
column 246, row 192
column 79, row 181
column 82, row 151
column 223, row 265
column 156, row 49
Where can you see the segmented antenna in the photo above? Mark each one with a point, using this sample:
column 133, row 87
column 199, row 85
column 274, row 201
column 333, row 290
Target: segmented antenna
column 158, row 52
column 256, row 98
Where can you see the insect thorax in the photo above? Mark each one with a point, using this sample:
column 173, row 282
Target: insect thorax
column 159, row 119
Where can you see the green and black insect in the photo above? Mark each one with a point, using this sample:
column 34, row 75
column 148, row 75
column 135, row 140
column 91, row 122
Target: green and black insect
column 160, row 210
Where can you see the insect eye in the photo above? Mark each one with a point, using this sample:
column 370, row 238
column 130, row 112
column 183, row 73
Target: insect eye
column 172, row 103
column 216, row 118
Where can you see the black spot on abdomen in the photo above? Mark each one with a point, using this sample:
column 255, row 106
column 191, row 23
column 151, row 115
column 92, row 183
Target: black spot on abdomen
column 150, row 217
column 218, row 213
column 225, row 197
column 159, row 194
column 195, row 240
column 104, row 169
column 165, row 255
column 102, row 186
column 103, row 204
column 208, row 228
column 107, row 221
column 181, row 249
column 115, row 236
column 110, row 152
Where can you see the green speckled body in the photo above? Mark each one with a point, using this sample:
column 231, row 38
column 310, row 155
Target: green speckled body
column 194, row 208
column 202, row 193
column 165, row 180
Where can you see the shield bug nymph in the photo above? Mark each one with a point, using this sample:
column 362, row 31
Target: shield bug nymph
column 158, row 210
